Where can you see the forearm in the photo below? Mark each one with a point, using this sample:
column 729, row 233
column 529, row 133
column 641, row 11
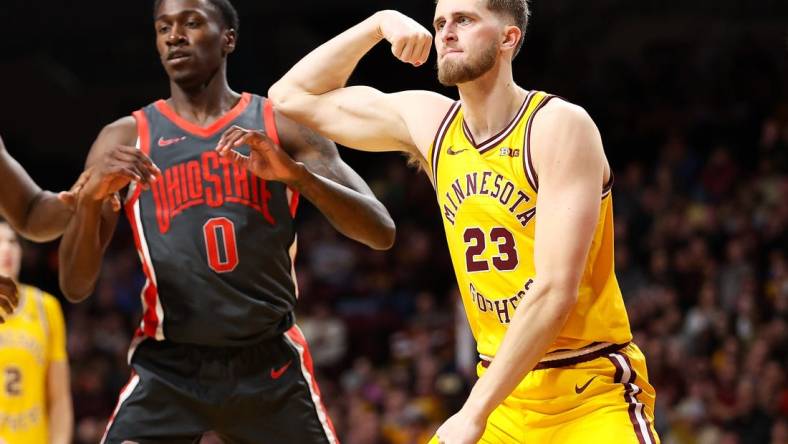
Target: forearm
column 81, row 251
column 61, row 421
column 329, row 66
column 354, row 214
column 536, row 324
column 46, row 218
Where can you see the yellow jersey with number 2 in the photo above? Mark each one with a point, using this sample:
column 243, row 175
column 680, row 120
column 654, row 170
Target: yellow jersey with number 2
column 30, row 340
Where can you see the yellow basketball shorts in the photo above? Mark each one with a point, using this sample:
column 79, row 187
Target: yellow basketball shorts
column 606, row 399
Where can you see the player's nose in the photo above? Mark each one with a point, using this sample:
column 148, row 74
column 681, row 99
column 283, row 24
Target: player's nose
column 176, row 36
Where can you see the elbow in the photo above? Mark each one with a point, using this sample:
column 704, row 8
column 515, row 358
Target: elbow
column 561, row 292
column 278, row 94
column 72, row 291
column 385, row 240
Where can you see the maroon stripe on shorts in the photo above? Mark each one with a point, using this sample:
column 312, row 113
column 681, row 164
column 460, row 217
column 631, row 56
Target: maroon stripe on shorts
column 630, row 390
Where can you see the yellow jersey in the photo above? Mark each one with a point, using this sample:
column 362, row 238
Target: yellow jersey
column 487, row 194
column 31, row 339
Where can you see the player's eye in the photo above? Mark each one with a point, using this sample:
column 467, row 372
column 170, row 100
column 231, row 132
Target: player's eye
column 463, row 20
column 192, row 24
column 163, row 29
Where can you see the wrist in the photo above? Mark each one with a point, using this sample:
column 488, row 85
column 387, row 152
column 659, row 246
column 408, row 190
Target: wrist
column 477, row 406
column 299, row 177
column 378, row 19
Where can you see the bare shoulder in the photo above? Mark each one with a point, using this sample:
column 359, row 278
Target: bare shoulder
column 120, row 132
column 561, row 127
column 565, row 137
column 423, row 112
column 559, row 114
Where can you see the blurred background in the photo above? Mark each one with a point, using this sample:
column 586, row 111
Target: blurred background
column 692, row 102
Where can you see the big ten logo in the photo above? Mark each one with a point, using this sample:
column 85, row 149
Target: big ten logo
column 509, row 152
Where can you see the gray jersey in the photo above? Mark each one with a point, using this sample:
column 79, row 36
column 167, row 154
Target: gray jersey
column 215, row 241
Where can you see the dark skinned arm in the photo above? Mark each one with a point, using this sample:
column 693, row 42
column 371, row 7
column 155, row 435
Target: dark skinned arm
column 335, row 188
column 311, row 165
column 114, row 162
column 36, row 214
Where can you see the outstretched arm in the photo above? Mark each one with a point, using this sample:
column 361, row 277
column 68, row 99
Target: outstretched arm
column 114, row 163
column 313, row 92
column 34, row 213
column 310, row 164
column 570, row 162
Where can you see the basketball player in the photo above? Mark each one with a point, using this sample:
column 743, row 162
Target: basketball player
column 217, row 347
column 34, row 213
column 35, row 396
column 523, row 187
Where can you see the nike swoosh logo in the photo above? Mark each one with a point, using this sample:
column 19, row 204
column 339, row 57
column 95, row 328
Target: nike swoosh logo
column 580, row 390
column 451, row 151
column 167, row 142
column 276, row 374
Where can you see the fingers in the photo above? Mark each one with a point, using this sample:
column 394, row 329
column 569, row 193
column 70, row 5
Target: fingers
column 420, row 57
column 230, row 139
column 116, row 203
column 9, row 298
column 69, row 198
column 237, row 158
column 237, row 136
column 132, row 160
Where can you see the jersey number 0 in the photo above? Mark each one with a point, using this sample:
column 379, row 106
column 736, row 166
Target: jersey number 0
column 220, row 244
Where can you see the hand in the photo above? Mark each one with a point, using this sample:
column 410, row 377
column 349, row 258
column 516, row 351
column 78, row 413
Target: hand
column 70, row 197
column 266, row 159
column 410, row 42
column 462, row 428
column 115, row 170
column 9, row 299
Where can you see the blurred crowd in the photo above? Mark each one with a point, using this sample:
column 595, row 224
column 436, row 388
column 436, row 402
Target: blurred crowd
column 701, row 211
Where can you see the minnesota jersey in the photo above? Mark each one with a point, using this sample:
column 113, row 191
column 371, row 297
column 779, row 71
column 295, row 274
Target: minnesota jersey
column 216, row 242
column 487, row 193
column 30, row 340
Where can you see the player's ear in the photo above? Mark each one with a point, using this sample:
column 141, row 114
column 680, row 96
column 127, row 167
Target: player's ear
column 230, row 38
column 511, row 35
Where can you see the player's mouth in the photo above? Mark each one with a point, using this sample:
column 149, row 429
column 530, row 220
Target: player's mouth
column 449, row 52
column 178, row 56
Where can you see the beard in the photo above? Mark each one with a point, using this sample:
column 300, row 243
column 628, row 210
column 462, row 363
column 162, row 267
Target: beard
column 453, row 72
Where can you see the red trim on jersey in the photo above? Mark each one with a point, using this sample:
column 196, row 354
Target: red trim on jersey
column 117, row 406
column 143, row 133
column 207, row 131
column 269, row 120
column 149, row 293
column 295, row 335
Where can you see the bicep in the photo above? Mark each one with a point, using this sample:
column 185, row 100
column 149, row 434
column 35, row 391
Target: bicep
column 19, row 189
column 367, row 119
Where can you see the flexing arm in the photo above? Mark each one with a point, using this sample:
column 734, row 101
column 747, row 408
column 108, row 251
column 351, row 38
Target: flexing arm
column 34, row 213
column 570, row 162
column 114, row 163
column 311, row 165
column 313, row 92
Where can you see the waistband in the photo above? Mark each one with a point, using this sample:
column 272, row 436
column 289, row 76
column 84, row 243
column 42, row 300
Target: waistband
column 565, row 358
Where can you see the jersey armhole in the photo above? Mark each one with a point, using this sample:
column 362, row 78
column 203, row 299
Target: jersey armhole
column 269, row 123
column 528, row 165
column 434, row 153
column 143, row 144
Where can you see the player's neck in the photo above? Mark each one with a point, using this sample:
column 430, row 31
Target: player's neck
column 490, row 102
column 204, row 103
